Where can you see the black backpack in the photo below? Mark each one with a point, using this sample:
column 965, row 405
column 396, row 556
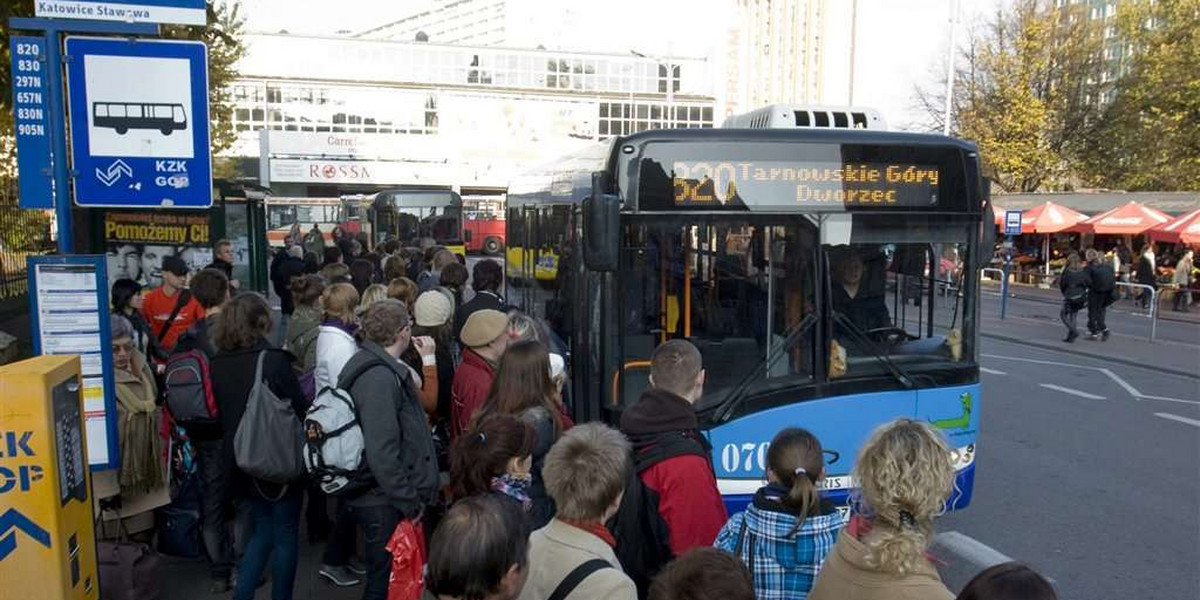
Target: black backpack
column 642, row 536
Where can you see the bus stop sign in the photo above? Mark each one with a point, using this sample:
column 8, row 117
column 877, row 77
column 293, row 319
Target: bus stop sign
column 1012, row 222
column 139, row 122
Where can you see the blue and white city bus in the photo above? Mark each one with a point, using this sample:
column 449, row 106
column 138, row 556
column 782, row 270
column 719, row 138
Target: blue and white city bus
column 828, row 277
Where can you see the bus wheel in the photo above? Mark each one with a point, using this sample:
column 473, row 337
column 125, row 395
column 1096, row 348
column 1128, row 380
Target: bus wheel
column 166, row 130
column 121, row 130
column 492, row 246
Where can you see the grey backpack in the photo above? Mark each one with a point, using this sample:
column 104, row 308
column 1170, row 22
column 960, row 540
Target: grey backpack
column 269, row 441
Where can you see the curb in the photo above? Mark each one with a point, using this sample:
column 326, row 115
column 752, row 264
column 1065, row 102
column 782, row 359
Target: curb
column 1123, row 361
column 1162, row 316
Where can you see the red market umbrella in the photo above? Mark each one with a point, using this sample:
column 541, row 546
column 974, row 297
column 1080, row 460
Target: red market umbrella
column 1184, row 230
column 1047, row 219
column 1130, row 219
column 998, row 212
column 1050, row 218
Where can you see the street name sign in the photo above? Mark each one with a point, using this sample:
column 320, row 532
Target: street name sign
column 139, row 122
column 182, row 12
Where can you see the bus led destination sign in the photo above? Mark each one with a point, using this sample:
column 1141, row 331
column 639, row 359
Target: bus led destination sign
column 728, row 184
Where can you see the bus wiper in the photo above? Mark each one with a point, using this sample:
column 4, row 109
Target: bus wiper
column 861, row 339
column 723, row 412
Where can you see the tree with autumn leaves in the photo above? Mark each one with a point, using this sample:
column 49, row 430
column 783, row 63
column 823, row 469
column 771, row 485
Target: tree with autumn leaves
column 1030, row 90
column 1149, row 135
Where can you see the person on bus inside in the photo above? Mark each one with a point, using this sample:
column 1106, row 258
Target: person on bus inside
column 852, row 296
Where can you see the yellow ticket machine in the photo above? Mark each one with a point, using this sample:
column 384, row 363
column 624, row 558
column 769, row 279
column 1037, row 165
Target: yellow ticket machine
column 47, row 539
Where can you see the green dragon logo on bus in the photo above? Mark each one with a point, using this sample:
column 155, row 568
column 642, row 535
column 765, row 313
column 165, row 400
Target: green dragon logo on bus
column 962, row 421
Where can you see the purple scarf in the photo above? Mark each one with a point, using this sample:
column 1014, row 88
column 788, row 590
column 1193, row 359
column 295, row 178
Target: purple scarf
column 515, row 488
column 349, row 328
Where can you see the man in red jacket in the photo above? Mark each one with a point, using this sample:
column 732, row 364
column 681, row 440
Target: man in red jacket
column 662, row 422
column 485, row 338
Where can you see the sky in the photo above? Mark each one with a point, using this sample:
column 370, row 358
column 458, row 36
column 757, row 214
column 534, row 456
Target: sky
column 900, row 43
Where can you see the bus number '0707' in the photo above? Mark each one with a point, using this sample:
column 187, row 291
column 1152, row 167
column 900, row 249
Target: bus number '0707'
column 745, row 457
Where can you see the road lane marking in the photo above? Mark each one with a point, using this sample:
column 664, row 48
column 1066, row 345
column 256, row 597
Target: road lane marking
column 1192, row 422
column 1073, row 392
column 992, row 371
column 970, row 549
column 1137, row 394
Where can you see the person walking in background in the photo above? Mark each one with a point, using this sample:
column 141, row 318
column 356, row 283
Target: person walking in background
column 1102, row 282
column 671, row 454
column 240, row 339
column 904, row 480
column 400, row 469
column 480, row 551
column 704, row 574
column 1073, row 283
column 314, row 241
column 788, row 529
column 170, row 309
column 523, row 388
column 1146, row 269
column 1008, row 581
column 485, row 338
column 573, row 555
column 1183, row 281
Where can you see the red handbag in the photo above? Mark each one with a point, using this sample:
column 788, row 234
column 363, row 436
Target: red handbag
column 407, row 547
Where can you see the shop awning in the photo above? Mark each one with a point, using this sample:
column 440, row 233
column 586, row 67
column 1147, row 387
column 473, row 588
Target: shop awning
column 1133, row 218
column 1183, row 230
column 1050, row 218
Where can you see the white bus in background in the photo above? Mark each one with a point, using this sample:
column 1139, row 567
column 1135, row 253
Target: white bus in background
column 786, row 116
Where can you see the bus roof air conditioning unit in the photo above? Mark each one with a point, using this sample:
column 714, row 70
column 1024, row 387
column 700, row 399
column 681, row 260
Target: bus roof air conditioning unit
column 787, row 116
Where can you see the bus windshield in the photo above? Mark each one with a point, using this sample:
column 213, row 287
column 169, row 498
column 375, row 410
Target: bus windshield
column 749, row 292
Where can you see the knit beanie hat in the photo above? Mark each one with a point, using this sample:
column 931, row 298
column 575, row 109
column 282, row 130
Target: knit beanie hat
column 432, row 309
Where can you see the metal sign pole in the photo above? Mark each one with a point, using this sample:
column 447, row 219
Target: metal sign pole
column 1004, row 280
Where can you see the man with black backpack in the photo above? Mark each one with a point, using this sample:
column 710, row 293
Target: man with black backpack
column 671, row 456
column 399, row 475
column 189, row 398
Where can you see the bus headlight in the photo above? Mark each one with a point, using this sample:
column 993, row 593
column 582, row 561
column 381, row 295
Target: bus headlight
column 962, row 457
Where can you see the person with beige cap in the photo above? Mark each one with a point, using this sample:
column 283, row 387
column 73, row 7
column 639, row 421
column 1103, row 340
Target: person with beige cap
column 484, row 337
column 433, row 315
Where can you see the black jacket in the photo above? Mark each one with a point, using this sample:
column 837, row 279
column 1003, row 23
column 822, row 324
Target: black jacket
column 232, row 377
column 481, row 301
column 1102, row 280
column 281, row 276
column 1145, row 271
column 222, row 266
column 1074, row 284
column 400, row 456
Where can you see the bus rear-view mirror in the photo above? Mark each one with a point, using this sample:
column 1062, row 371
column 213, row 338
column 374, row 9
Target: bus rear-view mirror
column 601, row 219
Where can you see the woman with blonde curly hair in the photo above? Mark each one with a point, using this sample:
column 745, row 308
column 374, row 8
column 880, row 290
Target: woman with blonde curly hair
column 905, row 476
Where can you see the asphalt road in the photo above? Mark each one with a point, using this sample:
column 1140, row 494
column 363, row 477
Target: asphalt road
column 1091, row 476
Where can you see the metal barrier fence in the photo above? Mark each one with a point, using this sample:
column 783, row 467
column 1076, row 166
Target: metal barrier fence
column 22, row 233
column 998, row 275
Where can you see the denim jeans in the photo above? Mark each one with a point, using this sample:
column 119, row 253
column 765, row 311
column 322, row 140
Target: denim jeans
column 221, row 550
column 276, row 536
column 378, row 523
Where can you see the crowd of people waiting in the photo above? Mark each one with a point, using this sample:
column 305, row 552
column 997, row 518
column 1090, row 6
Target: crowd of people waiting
column 465, row 436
